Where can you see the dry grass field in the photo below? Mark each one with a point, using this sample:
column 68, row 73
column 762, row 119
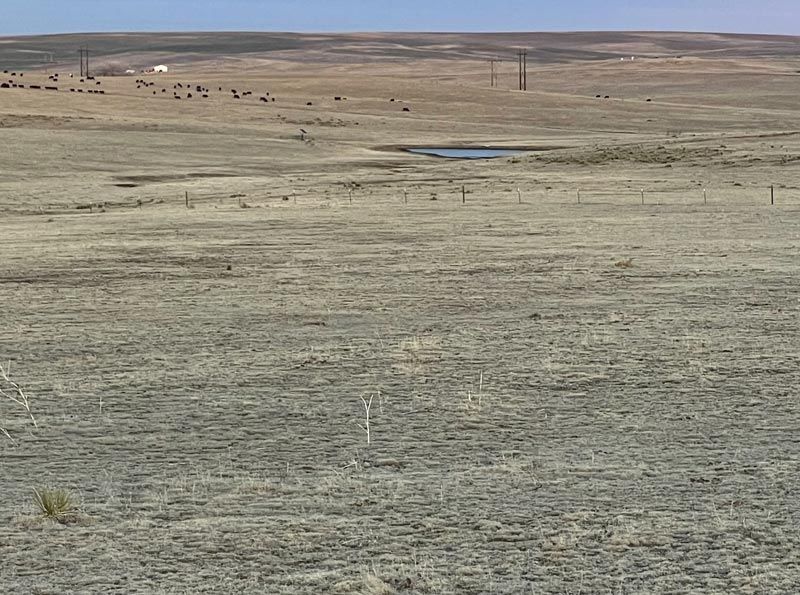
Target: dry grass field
column 565, row 398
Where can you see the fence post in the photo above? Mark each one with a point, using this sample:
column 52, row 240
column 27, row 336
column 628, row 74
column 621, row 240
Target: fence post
column 705, row 197
column 186, row 198
column 772, row 194
column 642, row 195
column 405, row 195
column 463, row 195
column 519, row 195
column 579, row 196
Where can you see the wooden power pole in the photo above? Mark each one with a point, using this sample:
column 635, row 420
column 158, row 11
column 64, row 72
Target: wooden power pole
column 495, row 62
column 84, row 57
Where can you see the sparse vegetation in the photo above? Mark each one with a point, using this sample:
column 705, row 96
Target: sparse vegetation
column 643, row 154
column 475, row 399
column 634, row 429
column 12, row 391
column 56, row 504
column 365, row 425
column 625, row 263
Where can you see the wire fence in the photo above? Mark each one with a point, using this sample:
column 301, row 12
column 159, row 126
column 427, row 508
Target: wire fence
column 434, row 195
column 431, row 195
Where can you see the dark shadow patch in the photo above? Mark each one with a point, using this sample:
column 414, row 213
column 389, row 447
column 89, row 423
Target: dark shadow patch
column 160, row 178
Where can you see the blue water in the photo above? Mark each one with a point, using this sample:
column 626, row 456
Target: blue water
column 477, row 153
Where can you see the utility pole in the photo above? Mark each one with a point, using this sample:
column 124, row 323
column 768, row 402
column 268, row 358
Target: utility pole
column 84, row 56
column 524, row 70
column 495, row 62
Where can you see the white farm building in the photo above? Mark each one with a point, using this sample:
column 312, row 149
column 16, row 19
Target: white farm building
column 160, row 68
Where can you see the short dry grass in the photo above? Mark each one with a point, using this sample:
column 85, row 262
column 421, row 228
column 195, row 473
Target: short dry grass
column 543, row 421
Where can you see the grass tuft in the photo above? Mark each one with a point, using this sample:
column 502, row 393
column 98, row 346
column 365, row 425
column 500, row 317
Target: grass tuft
column 55, row 504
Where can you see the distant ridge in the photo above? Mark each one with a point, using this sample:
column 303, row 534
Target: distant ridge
column 30, row 52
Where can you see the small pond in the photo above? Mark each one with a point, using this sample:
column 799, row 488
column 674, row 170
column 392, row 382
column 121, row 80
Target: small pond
column 465, row 153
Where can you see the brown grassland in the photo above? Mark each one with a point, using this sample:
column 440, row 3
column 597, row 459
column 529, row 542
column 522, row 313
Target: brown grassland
column 565, row 398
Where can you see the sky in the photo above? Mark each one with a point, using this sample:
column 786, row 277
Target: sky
column 19, row 17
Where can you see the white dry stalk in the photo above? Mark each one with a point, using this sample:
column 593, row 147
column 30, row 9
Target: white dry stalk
column 354, row 463
column 15, row 393
column 480, row 392
column 7, row 435
column 367, row 406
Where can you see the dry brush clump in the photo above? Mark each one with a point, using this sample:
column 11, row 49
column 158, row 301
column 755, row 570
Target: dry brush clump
column 643, row 154
column 56, row 504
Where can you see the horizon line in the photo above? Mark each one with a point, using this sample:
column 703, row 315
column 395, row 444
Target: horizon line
column 398, row 31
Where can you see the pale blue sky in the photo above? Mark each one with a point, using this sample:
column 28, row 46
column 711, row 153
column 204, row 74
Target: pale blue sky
column 63, row 16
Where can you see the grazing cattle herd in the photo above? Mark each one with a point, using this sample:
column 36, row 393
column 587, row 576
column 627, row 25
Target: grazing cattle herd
column 13, row 83
column 200, row 91
column 179, row 89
